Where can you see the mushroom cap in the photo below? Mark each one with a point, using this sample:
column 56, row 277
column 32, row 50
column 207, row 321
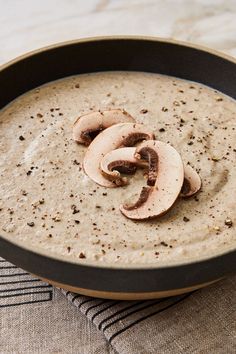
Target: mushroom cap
column 118, row 135
column 192, row 182
column 86, row 125
column 158, row 199
column 118, row 161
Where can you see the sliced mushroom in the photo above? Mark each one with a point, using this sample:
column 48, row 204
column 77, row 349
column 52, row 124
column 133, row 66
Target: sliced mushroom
column 120, row 161
column 192, row 182
column 123, row 160
column 86, row 127
column 118, row 135
column 149, row 154
column 169, row 175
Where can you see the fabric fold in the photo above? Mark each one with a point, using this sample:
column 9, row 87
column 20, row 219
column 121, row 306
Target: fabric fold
column 198, row 322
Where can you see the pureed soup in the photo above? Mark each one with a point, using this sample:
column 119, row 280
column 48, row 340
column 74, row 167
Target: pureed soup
column 49, row 204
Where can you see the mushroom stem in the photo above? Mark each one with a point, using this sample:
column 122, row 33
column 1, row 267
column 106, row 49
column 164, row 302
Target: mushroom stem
column 151, row 157
column 141, row 200
column 119, row 161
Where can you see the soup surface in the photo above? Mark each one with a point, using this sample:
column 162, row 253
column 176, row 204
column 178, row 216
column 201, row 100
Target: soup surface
column 48, row 203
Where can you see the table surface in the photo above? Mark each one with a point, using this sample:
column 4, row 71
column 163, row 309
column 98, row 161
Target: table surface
column 26, row 25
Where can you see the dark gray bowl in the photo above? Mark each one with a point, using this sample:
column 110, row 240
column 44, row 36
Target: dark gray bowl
column 118, row 53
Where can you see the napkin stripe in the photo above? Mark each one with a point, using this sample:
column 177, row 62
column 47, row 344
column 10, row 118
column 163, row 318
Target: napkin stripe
column 84, row 302
column 48, row 298
column 103, row 310
column 131, row 313
column 116, row 314
column 26, row 288
column 26, row 303
column 13, row 275
column 23, row 294
column 122, row 330
column 75, row 297
column 94, row 306
column 18, row 287
column 21, row 281
column 119, row 312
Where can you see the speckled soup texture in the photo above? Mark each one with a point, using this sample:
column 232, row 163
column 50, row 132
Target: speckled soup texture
column 49, row 204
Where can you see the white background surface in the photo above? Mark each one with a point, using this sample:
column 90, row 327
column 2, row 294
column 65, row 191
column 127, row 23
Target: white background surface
column 30, row 24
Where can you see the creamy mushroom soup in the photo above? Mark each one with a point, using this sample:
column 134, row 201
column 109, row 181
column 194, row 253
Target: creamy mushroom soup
column 49, row 204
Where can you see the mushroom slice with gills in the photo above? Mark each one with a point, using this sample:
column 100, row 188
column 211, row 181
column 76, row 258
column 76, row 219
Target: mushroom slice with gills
column 86, row 127
column 192, row 182
column 118, row 135
column 169, row 175
column 119, row 161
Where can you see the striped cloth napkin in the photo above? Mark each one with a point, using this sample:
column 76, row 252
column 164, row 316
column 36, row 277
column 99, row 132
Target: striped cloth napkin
column 203, row 321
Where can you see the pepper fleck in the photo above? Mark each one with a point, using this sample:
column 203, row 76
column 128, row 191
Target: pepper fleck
column 185, row 219
column 31, row 224
column 164, row 109
column 215, row 159
column 75, row 162
column 228, row 222
column 74, row 208
column 144, row 111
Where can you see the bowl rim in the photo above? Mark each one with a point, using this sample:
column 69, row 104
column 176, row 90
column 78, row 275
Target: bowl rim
column 118, row 37
column 105, row 265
